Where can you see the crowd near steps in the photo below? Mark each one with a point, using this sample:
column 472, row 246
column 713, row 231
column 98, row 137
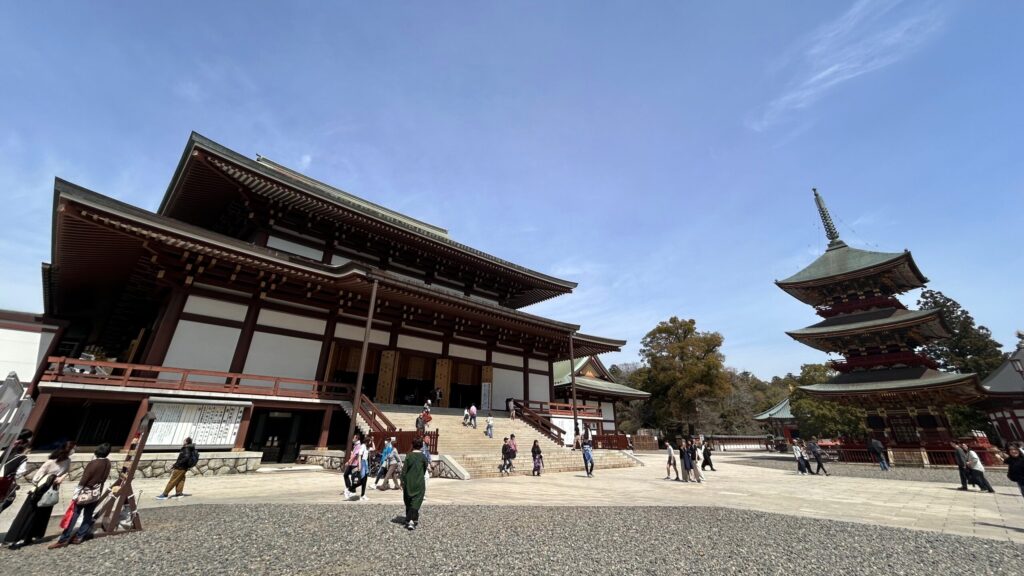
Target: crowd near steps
column 481, row 456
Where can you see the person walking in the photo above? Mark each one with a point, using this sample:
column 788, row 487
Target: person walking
column 506, row 459
column 588, row 456
column 878, row 450
column 465, row 416
column 489, row 430
column 961, row 464
column 815, row 452
column 34, row 515
column 801, row 463
column 382, row 466
column 697, row 455
column 421, row 425
column 686, row 456
column 353, row 465
column 361, row 474
column 472, row 415
column 393, row 463
column 977, row 470
column 706, row 452
column 188, row 457
column 513, row 450
column 538, row 458
column 1015, row 466
column 511, row 409
column 671, row 464
column 414, row 487
column 86, row 497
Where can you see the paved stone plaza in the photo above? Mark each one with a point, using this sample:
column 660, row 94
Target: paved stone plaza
column 745, row 519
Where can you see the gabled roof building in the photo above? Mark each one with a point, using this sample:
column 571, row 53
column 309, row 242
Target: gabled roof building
column 244, row 301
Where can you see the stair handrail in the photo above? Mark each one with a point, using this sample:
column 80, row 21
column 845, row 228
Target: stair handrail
column 542, row 423
column 375, row 417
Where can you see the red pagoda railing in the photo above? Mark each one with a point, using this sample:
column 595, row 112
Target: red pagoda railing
column 859, row 305
column 887, row 359
column 121, row 375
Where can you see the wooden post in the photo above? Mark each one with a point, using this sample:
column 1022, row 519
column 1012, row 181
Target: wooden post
column 243, row 429
column 443, row 381
column 36, row 416
column 362, row 368
column 572, row 379
column 139, row 415
column 325, row 428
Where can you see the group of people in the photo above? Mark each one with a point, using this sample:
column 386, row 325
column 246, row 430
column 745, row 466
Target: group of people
column 409, row 474
column 695, row 456
column 805, row 451
column 972, row 469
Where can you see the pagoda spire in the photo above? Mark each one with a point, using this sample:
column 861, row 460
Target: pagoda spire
column 826, row 220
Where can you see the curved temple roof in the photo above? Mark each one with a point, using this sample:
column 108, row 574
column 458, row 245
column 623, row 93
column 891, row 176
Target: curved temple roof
column 780, row 411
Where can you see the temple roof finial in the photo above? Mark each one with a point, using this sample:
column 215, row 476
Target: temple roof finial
column 826, row 219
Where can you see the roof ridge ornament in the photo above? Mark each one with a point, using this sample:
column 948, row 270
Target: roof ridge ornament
column 826, row 220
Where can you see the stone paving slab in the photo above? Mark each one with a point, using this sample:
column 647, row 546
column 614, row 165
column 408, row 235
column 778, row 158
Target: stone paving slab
column 918, row 505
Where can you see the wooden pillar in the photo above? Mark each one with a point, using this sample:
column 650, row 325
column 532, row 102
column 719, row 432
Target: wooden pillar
column 443, row 380
column 245, row 337
column 326, row 348
column 139, row 415
column 387, row 376
column 526, row 379
column 161, row 340
column 325, row 428
column 38, row 411
column 243, row 429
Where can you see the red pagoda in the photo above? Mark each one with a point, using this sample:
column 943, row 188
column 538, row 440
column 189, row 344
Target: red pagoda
column 882, row 370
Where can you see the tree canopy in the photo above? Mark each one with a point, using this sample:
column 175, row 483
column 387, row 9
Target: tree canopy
column 970, row 348
column 817, row 417
column 681, row 367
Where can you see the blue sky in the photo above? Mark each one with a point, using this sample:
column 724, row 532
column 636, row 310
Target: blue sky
column 660, row 154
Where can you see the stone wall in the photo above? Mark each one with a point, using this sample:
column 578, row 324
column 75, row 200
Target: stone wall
column 328, row 459
column 158, row 464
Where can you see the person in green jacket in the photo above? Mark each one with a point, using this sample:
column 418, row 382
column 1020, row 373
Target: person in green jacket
column 414, row 487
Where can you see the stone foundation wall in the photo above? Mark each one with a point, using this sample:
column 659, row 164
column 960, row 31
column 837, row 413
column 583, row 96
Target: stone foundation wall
column 328, row 459
column 159, row 464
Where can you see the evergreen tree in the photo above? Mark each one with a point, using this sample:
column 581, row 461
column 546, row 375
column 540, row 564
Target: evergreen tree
column 817, row 417
column 970, row 348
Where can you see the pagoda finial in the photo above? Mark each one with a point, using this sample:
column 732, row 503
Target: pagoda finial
column 826, row 219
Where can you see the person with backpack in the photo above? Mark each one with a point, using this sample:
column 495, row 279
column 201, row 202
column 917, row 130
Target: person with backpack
column 188, row 457
column 506, row 457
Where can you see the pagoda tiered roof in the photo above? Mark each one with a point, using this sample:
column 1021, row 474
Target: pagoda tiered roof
column 854, row 289
column 834, row 334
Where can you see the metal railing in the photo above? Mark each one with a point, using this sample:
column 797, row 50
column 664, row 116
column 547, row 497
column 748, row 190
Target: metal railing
column 118, row 374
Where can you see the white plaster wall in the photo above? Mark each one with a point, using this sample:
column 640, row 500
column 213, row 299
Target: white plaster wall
column 608, row 410
column 460, row 351
column 286, row 356
column 419, row 344
column 283, row 245
column 507, row 384
column 291, row 321
column 350, row 332
column 509, row 359
column 19, row 352
column 202, row 347
column 539, row 365
column 215, row 308
column 339, row 260
column 539, row 391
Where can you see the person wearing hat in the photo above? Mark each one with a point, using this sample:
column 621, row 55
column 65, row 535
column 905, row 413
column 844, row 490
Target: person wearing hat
column 392, row 463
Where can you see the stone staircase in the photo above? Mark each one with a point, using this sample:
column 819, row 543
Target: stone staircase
column 480, row 455
column 361, row 423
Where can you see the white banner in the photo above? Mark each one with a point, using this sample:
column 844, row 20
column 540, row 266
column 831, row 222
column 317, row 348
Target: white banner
column 485, row 395
column 209, row 425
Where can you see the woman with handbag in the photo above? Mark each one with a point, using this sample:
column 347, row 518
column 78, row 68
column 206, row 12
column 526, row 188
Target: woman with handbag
column 31, row 521
column 87, row 497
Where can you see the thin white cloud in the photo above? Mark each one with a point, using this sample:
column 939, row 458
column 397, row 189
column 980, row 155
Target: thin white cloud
column 190, row 91
column 869, row 36
column 305, row 161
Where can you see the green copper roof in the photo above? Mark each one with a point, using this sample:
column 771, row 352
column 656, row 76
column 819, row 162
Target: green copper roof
column 560, row 369
column 941, row 379
column 871, row 322
column 597, row 386
column 780, row 411
column 841, row 260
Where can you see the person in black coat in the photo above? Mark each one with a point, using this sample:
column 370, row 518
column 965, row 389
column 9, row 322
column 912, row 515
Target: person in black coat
column 1015, row 466
column 188, row 456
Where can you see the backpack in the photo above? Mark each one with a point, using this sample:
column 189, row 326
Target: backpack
column 193, row 458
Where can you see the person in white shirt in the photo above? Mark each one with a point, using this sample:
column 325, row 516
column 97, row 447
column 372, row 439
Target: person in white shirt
column 671, row 465
column 977, row 469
